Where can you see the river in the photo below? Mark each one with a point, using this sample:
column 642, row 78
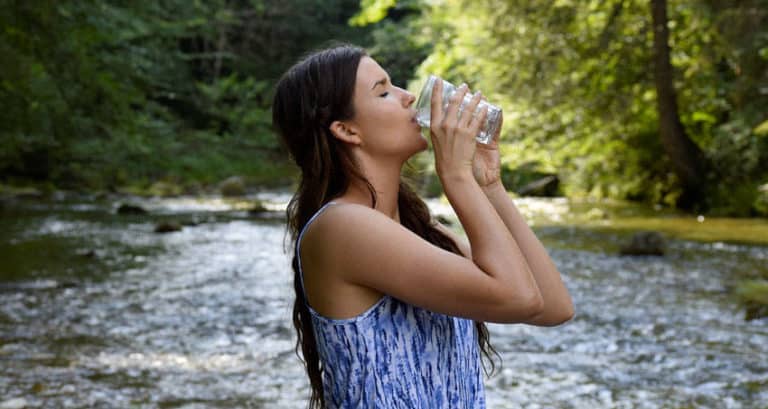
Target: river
column 97, row 310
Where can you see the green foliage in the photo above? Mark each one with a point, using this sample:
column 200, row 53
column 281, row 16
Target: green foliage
column 762, row 129
column 760, row 204
column 372, row 11
column 575, row 80
column 399, row 45
column 753, row 294
column 111, row 93
column 570, row 99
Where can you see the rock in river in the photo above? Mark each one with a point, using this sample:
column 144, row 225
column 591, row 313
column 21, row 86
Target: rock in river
column 167, row 227
column 546, row 186
column 130, row 209
column 232, row 186
column 646, row 243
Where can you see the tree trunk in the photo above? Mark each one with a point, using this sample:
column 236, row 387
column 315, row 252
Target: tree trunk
column 686, row 157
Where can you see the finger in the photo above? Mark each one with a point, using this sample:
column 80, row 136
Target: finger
column 451, row 114
column 468, row 113
column 478, row 120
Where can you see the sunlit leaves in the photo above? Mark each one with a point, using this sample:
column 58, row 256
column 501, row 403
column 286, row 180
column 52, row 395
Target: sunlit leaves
column 575, row 80
column 371, row 11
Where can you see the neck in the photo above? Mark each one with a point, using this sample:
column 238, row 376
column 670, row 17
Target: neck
column 385, row 179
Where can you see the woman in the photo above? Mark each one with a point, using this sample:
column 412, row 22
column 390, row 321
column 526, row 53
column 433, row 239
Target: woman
column 389, row 304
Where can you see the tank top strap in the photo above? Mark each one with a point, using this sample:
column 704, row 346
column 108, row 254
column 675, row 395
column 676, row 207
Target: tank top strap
column 298, row 243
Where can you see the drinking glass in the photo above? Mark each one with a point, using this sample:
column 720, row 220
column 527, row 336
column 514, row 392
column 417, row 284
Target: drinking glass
column 424, row 108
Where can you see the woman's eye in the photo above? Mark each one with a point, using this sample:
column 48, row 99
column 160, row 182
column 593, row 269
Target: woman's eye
column 384, row 94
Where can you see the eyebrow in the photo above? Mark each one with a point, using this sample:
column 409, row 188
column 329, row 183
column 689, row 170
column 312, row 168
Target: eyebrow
column 379, row 82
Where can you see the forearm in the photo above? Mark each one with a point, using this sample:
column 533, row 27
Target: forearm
column 494, row 249
column 557, row 302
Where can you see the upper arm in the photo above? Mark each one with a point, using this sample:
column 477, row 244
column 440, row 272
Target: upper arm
column 366, row 248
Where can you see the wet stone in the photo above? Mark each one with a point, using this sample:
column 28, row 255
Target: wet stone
column 649, row 243
column 130, row 209
column 167, row 227
column 232, row 187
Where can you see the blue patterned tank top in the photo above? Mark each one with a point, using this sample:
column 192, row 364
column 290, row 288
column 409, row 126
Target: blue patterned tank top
column 396, row 355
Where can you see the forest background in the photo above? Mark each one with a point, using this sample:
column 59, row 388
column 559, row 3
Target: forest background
column 173, row 96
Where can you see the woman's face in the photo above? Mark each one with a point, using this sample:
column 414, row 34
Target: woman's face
column 383, row 116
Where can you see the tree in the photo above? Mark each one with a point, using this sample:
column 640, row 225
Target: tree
column 100, row 94
column 579, row 98
column 686, row 157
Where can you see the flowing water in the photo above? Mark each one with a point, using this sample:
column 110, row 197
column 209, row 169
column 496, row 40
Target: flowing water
column 97, row 310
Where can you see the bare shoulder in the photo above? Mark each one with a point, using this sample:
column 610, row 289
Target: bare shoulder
column 323, row 259
column 341, row 220
column 337, row 230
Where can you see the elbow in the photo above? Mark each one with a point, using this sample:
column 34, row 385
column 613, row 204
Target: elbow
column 568, row 313
column 522, row 308
column 532, row 309
column 535, row 305
column 551, row 317
column 565, row 311
column 562, row 316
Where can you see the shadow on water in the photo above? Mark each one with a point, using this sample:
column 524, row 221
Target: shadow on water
column 97, row 310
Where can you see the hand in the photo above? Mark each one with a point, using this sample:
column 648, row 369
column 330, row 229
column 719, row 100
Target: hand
column 486, row 166
column 453, row 136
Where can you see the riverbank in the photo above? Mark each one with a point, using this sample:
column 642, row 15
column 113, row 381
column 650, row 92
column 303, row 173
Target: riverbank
column 600, row 215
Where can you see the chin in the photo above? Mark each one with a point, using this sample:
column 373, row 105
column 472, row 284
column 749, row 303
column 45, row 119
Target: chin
column 424, row 144
column 421, row 145
column 412, row 143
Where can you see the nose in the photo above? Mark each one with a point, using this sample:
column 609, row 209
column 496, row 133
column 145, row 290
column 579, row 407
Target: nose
column 409, row 98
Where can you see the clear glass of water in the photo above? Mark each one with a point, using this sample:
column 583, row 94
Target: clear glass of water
column 424, row 108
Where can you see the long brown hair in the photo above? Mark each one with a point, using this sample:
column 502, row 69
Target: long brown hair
column 313, row 93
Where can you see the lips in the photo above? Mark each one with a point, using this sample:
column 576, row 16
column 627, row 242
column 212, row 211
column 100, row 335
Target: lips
column 413, row 118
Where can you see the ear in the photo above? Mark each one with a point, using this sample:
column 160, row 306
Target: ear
column 346, row 132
